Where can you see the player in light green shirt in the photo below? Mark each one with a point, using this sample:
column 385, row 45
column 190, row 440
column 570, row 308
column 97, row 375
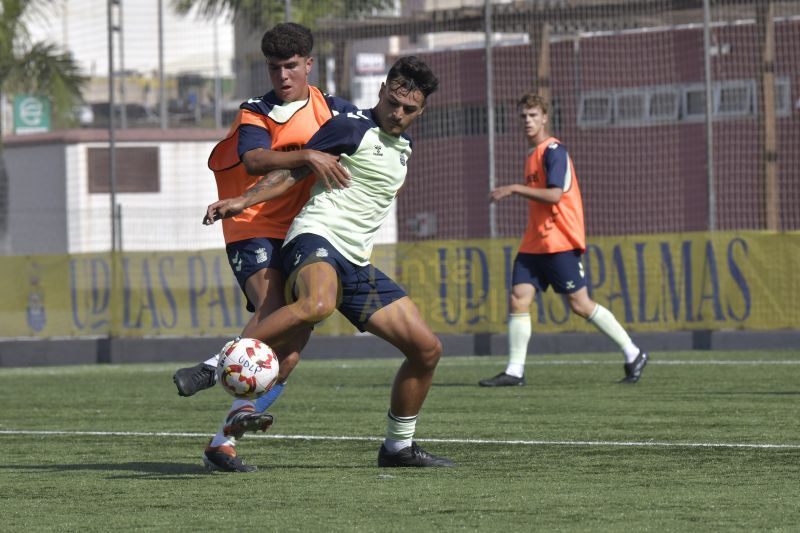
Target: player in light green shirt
column 350, row 217
column 327, row 249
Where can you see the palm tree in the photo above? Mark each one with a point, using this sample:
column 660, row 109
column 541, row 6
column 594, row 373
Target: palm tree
column 35, row 68
column 265, row 13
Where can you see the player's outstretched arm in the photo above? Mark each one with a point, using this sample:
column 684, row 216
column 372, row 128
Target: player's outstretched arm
column 501, row 192
column 550, row 195
column 223, row 209
column 274, row 184
column 324, row 166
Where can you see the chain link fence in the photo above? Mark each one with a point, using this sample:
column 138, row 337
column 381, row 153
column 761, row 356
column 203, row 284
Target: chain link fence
column 629, row 83
column 682, row 118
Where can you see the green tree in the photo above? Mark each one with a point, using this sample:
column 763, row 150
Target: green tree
column 266, row 13
column 34, row 68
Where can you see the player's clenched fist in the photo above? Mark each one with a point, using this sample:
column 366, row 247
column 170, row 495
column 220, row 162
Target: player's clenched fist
column 223, row 209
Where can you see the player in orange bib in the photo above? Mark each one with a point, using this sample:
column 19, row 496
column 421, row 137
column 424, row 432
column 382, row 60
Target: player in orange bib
column 268, row 134
column 551, row 249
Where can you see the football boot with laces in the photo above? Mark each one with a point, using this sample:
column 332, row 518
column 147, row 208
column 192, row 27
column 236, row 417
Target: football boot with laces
column 224, row 459
column 633, row 371
column 245, row 420
column 411, row 456
column 502, row 380
column 195, row 378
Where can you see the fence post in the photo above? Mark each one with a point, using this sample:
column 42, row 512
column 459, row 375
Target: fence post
column 712, row 201
column 162, row 94
column 112, row 161
column 490, row 118
column 765, row 25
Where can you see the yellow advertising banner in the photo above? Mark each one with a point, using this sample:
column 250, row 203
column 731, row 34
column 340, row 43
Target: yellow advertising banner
column 742, row 280
column 726, row 280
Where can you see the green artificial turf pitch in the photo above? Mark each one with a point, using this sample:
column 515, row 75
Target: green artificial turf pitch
column 706, row 441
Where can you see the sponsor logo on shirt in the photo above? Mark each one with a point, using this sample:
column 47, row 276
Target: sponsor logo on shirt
column 378, row 150
column 402, row 160
column 532, row 178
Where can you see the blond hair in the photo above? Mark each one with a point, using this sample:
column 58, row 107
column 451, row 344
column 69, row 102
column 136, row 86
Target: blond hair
column 531, row 100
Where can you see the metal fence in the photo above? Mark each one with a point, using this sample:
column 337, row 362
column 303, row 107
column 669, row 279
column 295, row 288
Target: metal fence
column 632, row 85
column 680, row 115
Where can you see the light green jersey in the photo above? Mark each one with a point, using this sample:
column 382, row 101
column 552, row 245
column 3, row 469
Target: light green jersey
column 377, row 162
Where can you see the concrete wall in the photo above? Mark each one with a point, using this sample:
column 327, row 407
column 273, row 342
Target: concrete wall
column 52, row 210
column 16, row 353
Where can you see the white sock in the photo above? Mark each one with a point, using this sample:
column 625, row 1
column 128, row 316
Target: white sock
column 604, row 321
column 519, row 334
column 213, row 360
column 399, row 432
column 219, row 438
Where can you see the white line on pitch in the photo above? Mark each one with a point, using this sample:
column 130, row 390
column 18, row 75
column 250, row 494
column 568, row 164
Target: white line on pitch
column 652, row 361
column 534, row 360
column 572, row 362
column 381, row 363
column 515, row 442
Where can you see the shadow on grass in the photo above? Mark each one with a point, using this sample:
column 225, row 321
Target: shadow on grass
column 156, row 470
column 754, row 393
column 472, row 385
column 149, row 470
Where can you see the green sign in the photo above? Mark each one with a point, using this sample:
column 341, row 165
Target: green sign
column 31, row 114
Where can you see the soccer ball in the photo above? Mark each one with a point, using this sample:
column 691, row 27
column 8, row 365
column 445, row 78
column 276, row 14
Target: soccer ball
column 247, row 368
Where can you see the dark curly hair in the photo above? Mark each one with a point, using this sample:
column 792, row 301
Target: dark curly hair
column 286, row 40
column 410, row 73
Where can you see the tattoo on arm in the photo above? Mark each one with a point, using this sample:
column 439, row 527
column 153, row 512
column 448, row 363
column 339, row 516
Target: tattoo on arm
column 275, row 179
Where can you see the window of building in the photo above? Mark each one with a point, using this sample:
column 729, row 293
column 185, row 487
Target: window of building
column 783, row 97
column 137, row 169
column 664, row 104
column 595, row 109
column 734, row 98
column 670, row 103
column 630, row 107
column 694, row 101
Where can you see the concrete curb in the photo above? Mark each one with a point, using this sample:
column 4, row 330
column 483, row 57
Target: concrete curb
column 70, row 351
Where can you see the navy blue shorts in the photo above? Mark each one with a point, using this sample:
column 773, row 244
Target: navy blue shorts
column 251, row 255
column 363, row 290
column 562, row 270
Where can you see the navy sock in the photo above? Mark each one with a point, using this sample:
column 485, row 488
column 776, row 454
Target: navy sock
column 263, row 403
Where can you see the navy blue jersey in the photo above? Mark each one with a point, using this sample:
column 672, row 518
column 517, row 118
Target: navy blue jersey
column 556, row 162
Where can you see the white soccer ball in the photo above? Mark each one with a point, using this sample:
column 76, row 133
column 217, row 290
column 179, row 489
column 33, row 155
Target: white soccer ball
column 247, row 368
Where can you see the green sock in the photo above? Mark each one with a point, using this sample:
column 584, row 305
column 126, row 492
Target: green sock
column 399, row 432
